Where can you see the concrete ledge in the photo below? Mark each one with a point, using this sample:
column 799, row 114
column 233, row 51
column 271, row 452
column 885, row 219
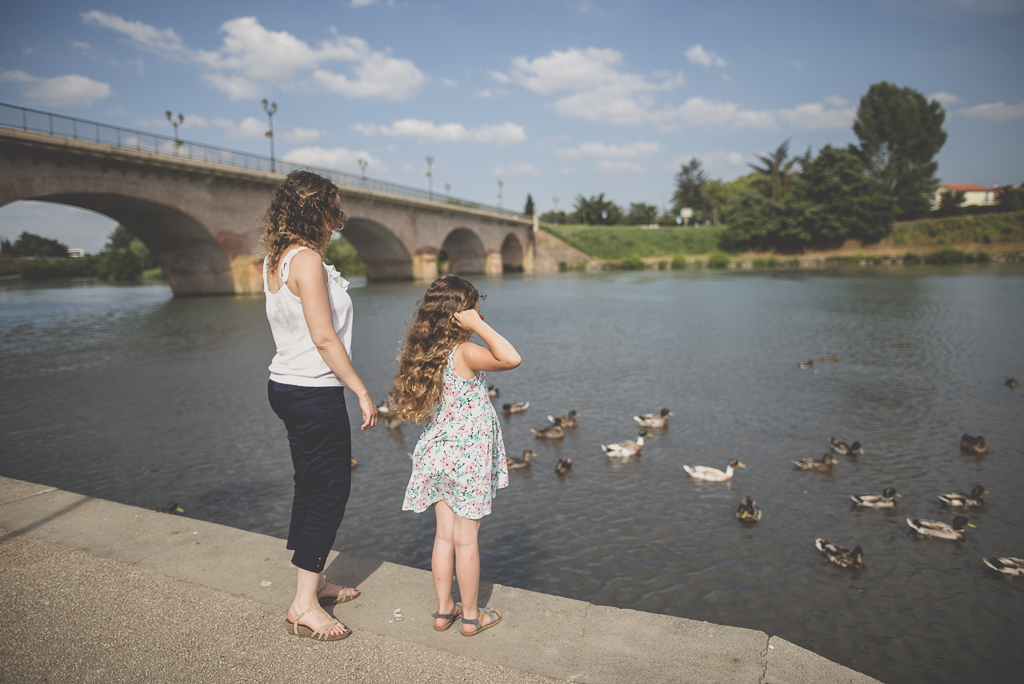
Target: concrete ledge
column 546, row 636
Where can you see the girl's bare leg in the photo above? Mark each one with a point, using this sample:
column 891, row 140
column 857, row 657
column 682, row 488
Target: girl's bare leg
column 467, row 564
column 442, row 561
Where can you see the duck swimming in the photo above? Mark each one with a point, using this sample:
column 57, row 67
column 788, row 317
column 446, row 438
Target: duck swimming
column 1011, row 567
column 517, row 407
column 654, row 420
column 627, row 448
column 569, row 421
column 549, row 432
column 516, row 463
column 844, row 449
column 887, row 499
column 748, row 512
column 935, row 528
column 1011, row 382
column 973, row 445
column 806, row 366
column 831, row 359
column 492, row 391
column 844, row 558
column 972, row 500
column 563, row 466
column 824, row 464
column 713, row 474
column 172, row 507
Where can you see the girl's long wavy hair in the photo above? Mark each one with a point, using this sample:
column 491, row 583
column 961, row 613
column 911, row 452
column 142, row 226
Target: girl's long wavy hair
column 303, row 211
column 429, row 339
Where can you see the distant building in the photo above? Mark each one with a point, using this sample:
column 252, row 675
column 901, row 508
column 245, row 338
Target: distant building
column 76, row 252
column 974, row 194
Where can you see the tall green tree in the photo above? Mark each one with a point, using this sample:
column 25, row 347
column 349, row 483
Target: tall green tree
column 529, row 209
column 900, row 133
column 31, row 245
column 689, row 192
column 596, row 210
column 779, row 168
column 641, row 213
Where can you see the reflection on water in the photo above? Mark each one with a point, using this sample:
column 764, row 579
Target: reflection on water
column 127, row 394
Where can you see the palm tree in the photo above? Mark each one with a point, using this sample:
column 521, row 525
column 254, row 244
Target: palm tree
column 779, row 168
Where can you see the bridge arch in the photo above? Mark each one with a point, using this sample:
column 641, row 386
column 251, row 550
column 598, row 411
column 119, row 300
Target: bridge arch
column 385, row 255
column 511, row 255
column 466, row 253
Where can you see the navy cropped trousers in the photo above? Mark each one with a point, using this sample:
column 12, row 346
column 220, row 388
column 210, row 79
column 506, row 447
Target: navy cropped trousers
column 321, row 443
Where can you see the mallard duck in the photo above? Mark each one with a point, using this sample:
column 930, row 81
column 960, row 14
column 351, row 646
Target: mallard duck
column 1011, row 382
column 821, row 465
column 806, row 366
column 973, row 445
column 748, row 512
column 844, row 558
column 392, row 422
column 516, row 463
column 844, row 449
column 549, row 432
column 935, row 528
column 517, row 407
column 831, row 359
column 972, row 500
column 713, row 474
column 563, row 466
column 492, row 391
column 627, row 448
column 384, row 411
column 172, row 507
column 654, row 420
column 569, row 421
column 887, row 499
column 1011, row 567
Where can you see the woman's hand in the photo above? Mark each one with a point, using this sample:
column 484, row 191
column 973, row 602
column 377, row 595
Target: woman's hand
column 469, row 320
column 369, row 410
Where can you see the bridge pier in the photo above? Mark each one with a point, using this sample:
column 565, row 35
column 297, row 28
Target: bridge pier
column 494, row 265
column 424, row 266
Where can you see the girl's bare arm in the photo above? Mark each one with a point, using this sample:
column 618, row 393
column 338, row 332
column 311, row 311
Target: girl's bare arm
column 498, row 355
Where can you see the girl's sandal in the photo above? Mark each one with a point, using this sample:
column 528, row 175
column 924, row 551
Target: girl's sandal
column 450, row 617
column 321, row 634
column 495, row 616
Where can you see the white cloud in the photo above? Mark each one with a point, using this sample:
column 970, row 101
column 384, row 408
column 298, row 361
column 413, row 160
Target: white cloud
column 797, row 64
column 449, row 82
column 995, row 111
column 71, row 89
column 361, row 3
column 945, row 99
column 636, row 150
column 837, row 101
column 700, row 112
column 716, row 163
column 813, row 116
column 338, row 158
column 568, row 171
column 607, row 167
column 252, row 56
column 501, row 134
column 301, row 136
column 27, row 51
column 516, row 171
column 698, row 55
column 489, row 94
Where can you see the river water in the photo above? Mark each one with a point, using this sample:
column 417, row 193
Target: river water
column 126, row 393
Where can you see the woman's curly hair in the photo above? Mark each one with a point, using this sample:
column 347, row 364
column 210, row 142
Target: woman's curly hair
column 304, row 211
column 430, row 337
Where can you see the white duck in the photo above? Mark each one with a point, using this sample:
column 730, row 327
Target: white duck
column 627, row 448
column 713, row 474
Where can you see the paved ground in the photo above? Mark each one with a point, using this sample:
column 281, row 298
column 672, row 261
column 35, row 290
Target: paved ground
column 97, row 591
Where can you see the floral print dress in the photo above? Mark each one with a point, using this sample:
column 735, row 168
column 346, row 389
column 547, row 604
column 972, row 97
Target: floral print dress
column 460, row 457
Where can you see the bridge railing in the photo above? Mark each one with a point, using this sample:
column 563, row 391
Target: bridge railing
column 36, row 121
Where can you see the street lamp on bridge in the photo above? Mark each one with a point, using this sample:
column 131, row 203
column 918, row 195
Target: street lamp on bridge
column 175, row 122
column 448, row 191
column 270, row 109
column 430, row 178
column 362, row 167
column 500, row 184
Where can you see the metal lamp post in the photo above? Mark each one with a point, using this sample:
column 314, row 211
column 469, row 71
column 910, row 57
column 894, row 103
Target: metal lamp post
column 175, row 122
column 500, row 184
column 430, row 178
column 270, row 109
column 362, row 167
column 448, row 191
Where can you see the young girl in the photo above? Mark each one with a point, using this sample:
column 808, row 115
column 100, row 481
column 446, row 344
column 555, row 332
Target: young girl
column 459, row 462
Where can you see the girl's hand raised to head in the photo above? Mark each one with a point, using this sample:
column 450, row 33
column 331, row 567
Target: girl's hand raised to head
column 469, row 320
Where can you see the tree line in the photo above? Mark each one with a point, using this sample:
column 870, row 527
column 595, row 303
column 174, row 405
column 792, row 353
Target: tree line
column 122, row 259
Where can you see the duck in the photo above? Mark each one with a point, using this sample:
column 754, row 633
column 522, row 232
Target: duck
column 569, row 421
column 172, row 507
column 935, row 528
column 806, row 366
column 1011, row 382
column 517, row 463
column 831, row 359
column 713, row 474
column 654, row 420
column 972, row 500
column 392, row 422
column 549, row 432
column 844, row 449
column 563, row 466
column 887, row 499
column 627, row 448
column 384, row 411
column 492, row 391
column 844, row 558
column 517, row 407
column 973, row 445
column 821, row 465
column 1011, row 567
column 748, row 512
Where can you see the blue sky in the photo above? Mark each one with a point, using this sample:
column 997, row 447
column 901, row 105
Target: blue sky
column 555, row 98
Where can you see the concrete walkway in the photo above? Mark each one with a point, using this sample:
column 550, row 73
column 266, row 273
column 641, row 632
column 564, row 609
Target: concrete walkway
column 98, row 591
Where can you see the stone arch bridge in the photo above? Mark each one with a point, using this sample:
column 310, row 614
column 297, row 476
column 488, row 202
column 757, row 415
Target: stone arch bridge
column 201, row 218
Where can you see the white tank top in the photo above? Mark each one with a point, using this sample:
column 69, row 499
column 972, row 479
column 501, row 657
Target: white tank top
column 297, row 361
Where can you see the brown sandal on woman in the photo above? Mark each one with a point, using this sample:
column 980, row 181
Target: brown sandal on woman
column 321, row 634
column 347, row 594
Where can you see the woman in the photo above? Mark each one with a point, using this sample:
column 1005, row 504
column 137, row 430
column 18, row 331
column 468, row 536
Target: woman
column 310, row 314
